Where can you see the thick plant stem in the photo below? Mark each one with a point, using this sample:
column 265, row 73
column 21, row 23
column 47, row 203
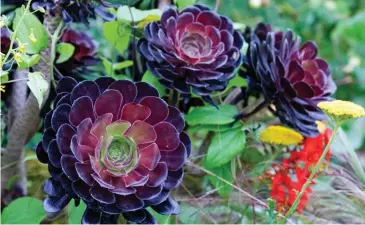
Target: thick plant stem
column 311, row 176
column 18, row 97
column 27, row 121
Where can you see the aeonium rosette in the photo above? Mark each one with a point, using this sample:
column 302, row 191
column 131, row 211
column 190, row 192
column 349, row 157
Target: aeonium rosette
column 77, row 10
column 192, row 49
column 115, row 145
column 291, row 76
column 84, row 54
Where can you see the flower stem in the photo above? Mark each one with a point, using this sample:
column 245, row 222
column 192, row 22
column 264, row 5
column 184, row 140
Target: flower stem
column 13, row 36
column 310, row 178
column 54, row 39
column 217, row 3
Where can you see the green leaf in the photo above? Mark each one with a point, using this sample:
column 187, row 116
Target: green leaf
column 38, row 86
column 29, row 24
column 28, row 61
column 124, row 13
column 348, row 30
column 75, row 213
column 161, row 219
column 214, row 128
column 25, row 210
column 4, row 76
column 237, row 81
column 224, row 147
column 65, row 50
column 148, row 77
column 122, row 65
column 118, row 34
column 189, row 214
column 108, row 66
column 181, row 4
column 224, row 172
column 210, row 115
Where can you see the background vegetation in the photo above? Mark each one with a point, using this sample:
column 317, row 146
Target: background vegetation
column 211, row 194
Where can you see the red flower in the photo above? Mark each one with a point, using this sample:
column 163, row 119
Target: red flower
column 281, row 184
column 312, row 150
column 285, row 190
column 301, row 176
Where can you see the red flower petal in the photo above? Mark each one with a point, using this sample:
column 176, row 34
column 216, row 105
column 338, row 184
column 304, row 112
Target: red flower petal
column 158, row 107
column 135, row 179
column 109, row 102
column 145, row 89
column 149, row 156
column 132, row 112
column 99, row 126
column 120, row 188
column 141, row 132
column 129, row 203
column 174, row 159
column 68, row 167
column 81, row 109
column 127, row 88
column 146, row 193
column 167, row 136
column 158, row 175
column 84, row 137
column 63, row 137
column 101, row 194
column 81, row 152
column 84, row 171
column 209, row 18
column 176, row 118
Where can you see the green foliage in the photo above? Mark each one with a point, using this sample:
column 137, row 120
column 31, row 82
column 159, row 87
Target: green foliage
column 224, row 147
column 75, row 213
column 271, row 211
column 28, row 61
column 110, row 68
column 4, row 76
column 237, row 81
column 214, row 128
column 30, row 24
column 124, row 13
column 181, row 4
column 122, row 65
column 153, row 80
column 65, row 51
column 118, row 34
column 38, row 86
column 25, row 210
column 210, row 115
column 224, row 172
column 162, row 219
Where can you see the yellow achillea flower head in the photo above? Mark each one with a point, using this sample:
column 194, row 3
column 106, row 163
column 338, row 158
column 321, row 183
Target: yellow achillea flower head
column 281, row 135
column 321, row 126
column 342, row 110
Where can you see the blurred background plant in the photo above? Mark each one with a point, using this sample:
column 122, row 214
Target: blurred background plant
column 220, row 188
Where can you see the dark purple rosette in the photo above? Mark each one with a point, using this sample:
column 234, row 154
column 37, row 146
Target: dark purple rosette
column 116, row 146
column 193, row 49
column 290, row 76
column 77, row 10
column 84, row 54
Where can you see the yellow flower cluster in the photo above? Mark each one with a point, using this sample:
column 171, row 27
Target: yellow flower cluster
column 342, row 110
column 281, row 135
